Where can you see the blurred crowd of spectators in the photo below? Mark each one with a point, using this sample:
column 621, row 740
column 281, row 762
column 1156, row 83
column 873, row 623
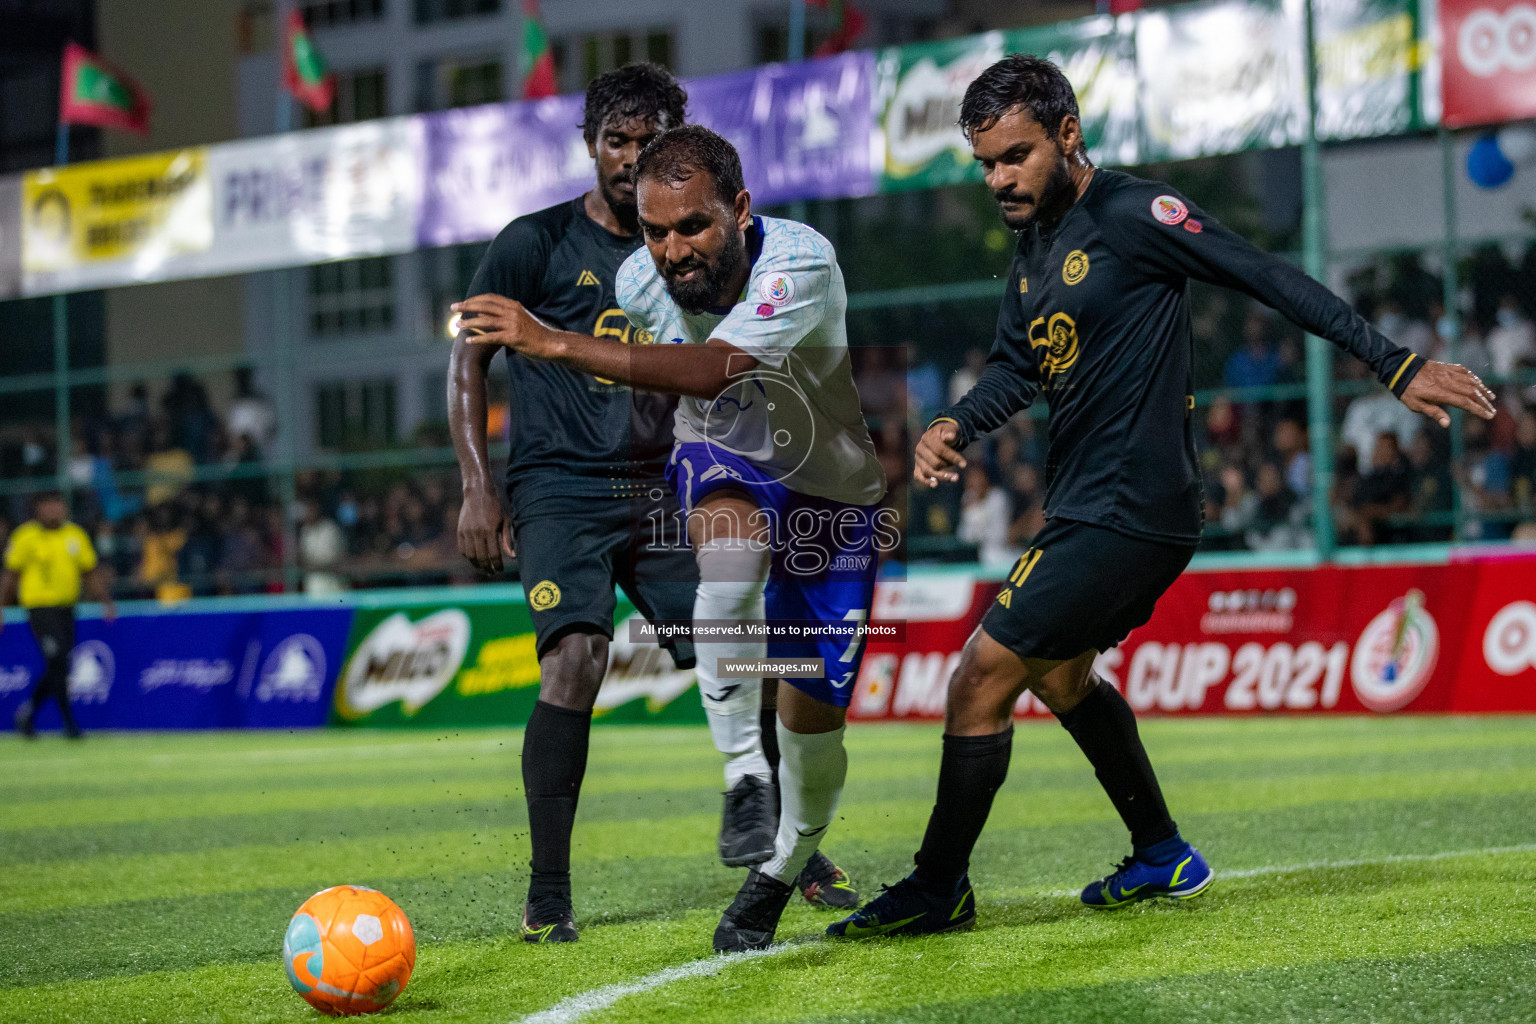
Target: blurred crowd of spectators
column 180, row 500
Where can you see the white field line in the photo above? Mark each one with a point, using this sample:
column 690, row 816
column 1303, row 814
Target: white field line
column 573, row 1008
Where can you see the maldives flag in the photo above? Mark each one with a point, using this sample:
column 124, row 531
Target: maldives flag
column 847, row 22
column 304, row 72
column 95, row 92
column 538, row 58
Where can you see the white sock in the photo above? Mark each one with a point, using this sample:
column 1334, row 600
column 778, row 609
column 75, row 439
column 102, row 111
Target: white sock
column 812, row 768
column 732, row 574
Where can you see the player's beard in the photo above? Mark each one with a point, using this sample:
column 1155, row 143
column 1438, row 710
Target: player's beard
column 619, row 199
column 703, row 291
column 1054, row 197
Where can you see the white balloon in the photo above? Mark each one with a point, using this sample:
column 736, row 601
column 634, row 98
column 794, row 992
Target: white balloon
column 1518, row 143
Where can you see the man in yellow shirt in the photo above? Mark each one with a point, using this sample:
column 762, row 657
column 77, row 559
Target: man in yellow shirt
column 45, row 561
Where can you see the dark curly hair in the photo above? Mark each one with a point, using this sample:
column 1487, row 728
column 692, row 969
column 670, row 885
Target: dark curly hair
column 681, row 153
column 634, row 91
column 1018, row 80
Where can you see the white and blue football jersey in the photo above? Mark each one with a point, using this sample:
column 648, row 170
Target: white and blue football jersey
column 796, row 414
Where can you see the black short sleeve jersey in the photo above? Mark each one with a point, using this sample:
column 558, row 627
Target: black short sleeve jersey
column 572, row 433
column 1096, row 316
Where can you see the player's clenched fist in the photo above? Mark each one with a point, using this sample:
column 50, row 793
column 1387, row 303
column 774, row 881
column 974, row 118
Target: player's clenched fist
column 935, row 459
column 484, row 534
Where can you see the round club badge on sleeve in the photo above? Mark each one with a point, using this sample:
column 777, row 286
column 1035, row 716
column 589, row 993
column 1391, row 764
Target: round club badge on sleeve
column 1169, row 210
column 777, row 289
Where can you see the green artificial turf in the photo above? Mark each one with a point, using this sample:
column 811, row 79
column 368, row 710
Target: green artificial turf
column 1369, row 869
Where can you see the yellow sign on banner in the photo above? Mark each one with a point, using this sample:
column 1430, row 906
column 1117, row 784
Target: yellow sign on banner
column 140, row 211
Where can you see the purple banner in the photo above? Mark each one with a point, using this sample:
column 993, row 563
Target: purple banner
column 483, row 166
column 803, row 131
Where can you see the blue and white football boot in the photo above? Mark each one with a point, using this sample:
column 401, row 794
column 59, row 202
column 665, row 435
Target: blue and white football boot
column 1183, row 876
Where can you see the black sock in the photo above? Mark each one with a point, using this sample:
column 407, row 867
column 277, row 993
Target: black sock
column 971, row 772
column 1104, row 726
column 554, row 761
column 770, row 730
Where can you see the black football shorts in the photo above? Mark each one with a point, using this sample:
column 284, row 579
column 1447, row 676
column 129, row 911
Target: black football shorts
column 1081, row 587
column 572, row 550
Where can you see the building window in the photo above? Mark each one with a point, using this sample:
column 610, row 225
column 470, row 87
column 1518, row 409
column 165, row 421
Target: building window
column 447, row 10
column 579, row 59
column 351, row 297
column 360, row 96
column 324, row 13
column 441, row 84
column 356, row 413
column 446, row 274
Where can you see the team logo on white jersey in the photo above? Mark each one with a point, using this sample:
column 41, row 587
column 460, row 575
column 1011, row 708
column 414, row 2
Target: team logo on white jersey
column 1395, row 655
column 294, row 671
column 777, row 289
column 1169, row 210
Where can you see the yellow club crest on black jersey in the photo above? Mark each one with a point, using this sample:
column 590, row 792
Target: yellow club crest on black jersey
column 586, row 278
column 1075, row 267
column 1023, row 286
column 544, row 595
column 1062, row 331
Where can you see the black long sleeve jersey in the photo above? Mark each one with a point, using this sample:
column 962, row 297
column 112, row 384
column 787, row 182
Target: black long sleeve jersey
column 1097, row 316
column 572, row 433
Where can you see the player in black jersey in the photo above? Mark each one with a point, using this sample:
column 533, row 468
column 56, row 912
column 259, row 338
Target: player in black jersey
column 1096, row 316
column 584, row 493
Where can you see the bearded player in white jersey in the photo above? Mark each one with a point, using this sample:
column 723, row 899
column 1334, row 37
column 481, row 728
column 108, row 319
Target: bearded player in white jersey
column 773, row 463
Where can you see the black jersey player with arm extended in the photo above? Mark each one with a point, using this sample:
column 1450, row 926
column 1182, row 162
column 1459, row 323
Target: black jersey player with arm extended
column 1096, row 317
column 584, row 475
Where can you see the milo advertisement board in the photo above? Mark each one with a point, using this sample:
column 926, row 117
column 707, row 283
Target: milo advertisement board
column 476, row 663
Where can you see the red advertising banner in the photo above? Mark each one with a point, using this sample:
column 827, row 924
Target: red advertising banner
column 1488, row 61
column 1417, row 638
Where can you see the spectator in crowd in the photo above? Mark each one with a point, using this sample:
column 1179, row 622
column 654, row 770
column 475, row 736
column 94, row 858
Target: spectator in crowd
column 1384, row 491
column 322, row 546
column 1240, row 504
column 1370, row 416
column 1523, row 466
column 1410, row 332
column 161, row 542
column 1295, row 459
column 168, row 467
column 985, row 517
column 1026, row 499
column 925, row 386
column 1512, row 341
column 242, row 557
column 1223, row 424
column 1257, row 362
column 192, row 422
column 251, row 416
column 1430, row 465
column 1486, row 484
column 882, row 388
column 965, row 378
column 1460, row 342
column 1275, row 525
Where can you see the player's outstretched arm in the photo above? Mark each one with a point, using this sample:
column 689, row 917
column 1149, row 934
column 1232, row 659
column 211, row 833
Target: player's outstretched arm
column 936, row 457
column 698, row 371
column 1448, row 384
